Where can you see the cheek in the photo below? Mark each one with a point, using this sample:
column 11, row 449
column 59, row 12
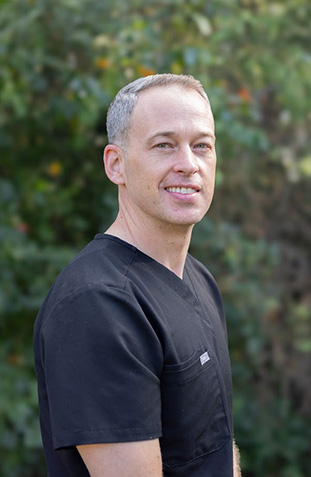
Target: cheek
column 138, row 181
column 209, row 170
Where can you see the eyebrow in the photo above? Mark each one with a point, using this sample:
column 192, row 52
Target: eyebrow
column 201, row 134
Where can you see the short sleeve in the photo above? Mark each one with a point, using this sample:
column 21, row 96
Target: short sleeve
column 102, row 362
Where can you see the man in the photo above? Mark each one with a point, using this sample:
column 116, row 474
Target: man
column 130, row 344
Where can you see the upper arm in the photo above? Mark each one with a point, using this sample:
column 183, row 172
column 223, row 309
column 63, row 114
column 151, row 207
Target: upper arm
column 124, row 459
column 102, row 362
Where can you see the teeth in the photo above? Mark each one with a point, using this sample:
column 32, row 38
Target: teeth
column 181, row 190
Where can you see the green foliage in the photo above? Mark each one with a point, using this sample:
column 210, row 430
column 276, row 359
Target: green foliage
column 19, row 427
column 61, row 63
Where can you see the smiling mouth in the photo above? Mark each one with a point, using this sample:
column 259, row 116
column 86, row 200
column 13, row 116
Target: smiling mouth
column 181, row 190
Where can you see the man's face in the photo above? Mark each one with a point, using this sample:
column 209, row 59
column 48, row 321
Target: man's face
column 169, row 158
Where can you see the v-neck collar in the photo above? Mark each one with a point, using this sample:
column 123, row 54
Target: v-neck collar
column 183, row 287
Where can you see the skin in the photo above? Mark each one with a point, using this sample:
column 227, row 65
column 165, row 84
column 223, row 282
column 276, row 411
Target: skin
column 126, row 459
column 236, row 461
column 170, row 150
column 171, row 144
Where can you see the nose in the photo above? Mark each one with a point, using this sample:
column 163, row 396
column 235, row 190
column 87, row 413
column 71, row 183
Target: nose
column 186, row 161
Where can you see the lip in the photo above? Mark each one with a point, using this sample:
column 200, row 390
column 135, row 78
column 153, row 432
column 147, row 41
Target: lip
column 195, row 188
column 177, row 193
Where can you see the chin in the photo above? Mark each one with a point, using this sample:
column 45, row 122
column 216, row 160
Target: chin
column 186, row 222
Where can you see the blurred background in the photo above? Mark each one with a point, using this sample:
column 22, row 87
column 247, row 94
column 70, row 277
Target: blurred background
column 61, row 63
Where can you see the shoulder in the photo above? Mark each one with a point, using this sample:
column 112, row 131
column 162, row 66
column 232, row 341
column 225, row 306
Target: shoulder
column 104, row 261
column 99, row 269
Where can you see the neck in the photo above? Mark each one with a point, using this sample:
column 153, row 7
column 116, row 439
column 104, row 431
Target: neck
column 168, row 244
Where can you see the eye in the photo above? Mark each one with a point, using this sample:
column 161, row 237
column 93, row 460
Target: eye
column 163, row 145
column 203, row 145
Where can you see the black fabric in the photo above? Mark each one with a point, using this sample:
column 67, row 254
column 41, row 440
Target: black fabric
column 127, row 351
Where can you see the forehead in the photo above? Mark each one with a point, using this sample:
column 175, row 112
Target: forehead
column 167, row 105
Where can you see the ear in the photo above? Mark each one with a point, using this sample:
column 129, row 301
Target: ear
column 113, row 162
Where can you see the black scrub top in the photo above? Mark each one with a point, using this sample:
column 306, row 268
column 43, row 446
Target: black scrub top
column 127, row 351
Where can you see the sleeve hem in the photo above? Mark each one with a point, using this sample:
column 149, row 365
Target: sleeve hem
column 106, row 436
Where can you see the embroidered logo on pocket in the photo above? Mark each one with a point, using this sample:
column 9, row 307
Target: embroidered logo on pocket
column 204, row 358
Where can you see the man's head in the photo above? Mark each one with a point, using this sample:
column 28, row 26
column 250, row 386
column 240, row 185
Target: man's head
column 120, row 110
column 164, row 163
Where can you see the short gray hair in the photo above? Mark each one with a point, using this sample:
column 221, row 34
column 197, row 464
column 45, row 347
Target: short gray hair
column 121, row 108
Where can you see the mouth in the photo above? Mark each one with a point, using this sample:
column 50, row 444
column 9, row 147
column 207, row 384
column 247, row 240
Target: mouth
column 182, row 190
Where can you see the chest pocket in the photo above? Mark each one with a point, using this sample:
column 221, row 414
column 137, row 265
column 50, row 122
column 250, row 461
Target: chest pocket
column 194, row 421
